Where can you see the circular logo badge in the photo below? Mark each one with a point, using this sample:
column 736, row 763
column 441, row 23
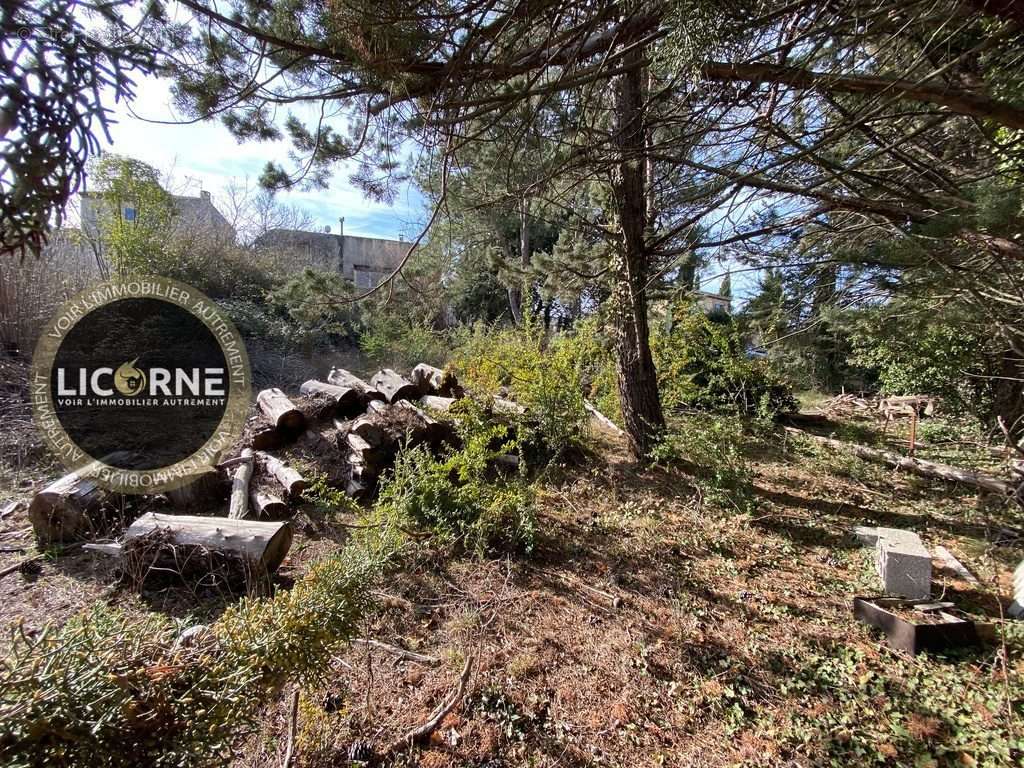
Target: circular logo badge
column 141, row 384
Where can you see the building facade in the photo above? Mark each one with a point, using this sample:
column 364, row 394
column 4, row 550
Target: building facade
column 366, row 261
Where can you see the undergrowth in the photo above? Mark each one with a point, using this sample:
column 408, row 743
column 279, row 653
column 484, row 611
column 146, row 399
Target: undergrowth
column 464, row 498
column 711, row 449
column 110, row 689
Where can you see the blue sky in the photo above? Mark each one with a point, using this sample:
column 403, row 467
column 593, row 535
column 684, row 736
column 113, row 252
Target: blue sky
column 206, row 156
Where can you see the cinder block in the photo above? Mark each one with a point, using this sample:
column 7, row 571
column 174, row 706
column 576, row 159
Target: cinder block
column 904, row 564
column 1017, row 607
column 866, row 534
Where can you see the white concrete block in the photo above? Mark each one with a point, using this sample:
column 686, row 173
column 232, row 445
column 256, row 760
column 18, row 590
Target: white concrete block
column 1017, row 607
column 904, row 564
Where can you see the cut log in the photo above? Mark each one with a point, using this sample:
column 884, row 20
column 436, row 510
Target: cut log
column 239, row 505
column 436, row 403
column 262, row 543
column 376, row 406
column 280, row 411
column 266, row 437
column 370, row 430
column 362, row 478
column 348, row 400
column 342, row 378
column 290, row 480
column 61, row 511
column 433, row 431
column 600, row 420
column 917, row 466
column 370, row 456
column 267, row 504
column 394, row 386
column 203, row 490
column 427, row 378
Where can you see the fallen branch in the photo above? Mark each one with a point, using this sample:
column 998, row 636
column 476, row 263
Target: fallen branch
column 401, row 653
column 292, row 722
column 239, row 505
column 422, row 732
column 920, row 467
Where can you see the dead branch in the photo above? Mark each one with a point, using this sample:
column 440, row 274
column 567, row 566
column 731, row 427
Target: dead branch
column 422, row 732
column 401, row 653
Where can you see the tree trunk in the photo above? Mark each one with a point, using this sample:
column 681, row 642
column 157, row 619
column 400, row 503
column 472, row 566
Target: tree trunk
column 394, row 386
column 61, row 511
column 349, row 400
column 637, row 379
column 264, row 544
column 292, row 482
column 920, row 467
column 342, row 378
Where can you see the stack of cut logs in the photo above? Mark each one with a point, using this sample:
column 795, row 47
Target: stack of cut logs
column 360, row 425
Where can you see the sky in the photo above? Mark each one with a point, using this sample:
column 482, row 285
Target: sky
column 205, row 156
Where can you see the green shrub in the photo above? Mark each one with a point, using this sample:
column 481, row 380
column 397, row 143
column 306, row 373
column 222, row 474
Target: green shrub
column 256, row 321
column 543, row 375
column 702, row 365
column 113, row 689
column 711, row 448
column 396, row 342
column 319, row 306
column 461, row 497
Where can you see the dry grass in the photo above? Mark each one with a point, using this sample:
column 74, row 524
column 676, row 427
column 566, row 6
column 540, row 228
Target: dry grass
column 648, row 629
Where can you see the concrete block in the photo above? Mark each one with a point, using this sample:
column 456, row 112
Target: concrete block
column 866, row 534
column 950, row 562
column 904, row 564
column 1017, row 607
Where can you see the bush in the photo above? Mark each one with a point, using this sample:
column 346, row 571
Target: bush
column 459, row 497
column 395, row 342
column 113, row 689
column 702, row 364
column 711, row 448
column 543, row 375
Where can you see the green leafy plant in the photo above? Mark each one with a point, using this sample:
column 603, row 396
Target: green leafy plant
column 542, row 374
column 110, row 688
column 462, row 498
column 710, row 448
column 702, row 365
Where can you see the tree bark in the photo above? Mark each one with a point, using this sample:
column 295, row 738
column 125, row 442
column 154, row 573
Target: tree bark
column 1008, row 394
column 290, row 480
column 637, row 378
column 262, row 543
column 60, row 512
column 349, row 400
column 394, row 386
column 280, row 411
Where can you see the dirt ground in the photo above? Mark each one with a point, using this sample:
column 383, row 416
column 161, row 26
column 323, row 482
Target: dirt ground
column 648, row 629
